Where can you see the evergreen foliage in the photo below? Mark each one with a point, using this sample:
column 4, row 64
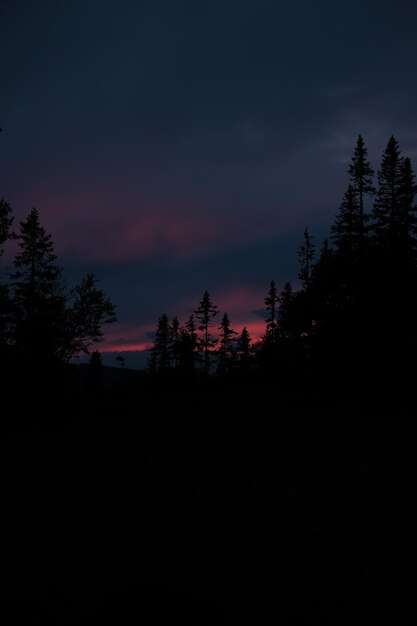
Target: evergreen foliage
column 205, row 314
column 271, row 306
column 244, row 351
column 188, row 347
column 361, row 176
column 43, row 320
column 341, row 318
column 160, row 358
column 306, row 254
column 6, row 222
column 226, row 346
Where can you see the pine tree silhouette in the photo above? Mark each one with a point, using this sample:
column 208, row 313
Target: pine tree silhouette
column 226, row 350
column 38, row 299
column 159, row 358
column 51, row 322
column 243, row 350
column 306, row 254
column 361, row 183
column 205, row 314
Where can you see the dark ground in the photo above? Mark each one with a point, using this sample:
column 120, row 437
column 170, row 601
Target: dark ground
column 167, row 505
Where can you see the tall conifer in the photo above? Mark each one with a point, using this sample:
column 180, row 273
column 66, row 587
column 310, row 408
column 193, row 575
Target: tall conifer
column 205, row 314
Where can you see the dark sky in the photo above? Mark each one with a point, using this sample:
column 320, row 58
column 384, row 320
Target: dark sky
column 177, row 146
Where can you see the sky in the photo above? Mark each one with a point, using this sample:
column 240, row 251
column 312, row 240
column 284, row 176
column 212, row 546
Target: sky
column 173, row 147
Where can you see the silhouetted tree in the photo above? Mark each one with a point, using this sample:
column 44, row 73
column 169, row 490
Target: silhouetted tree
column 306, row 255
column 361, row 183
column 6, row 222
column 325, row 280
column 243, row 350
column 226, row 350
column 394, row 263
column 287, row 322
column 271, row 305
column 329, row 298
column 38, row 296
column 407, row 232
column 386, row 213
column 266, row 351
column 188, row 347
column 87, row 310
column 174, row 333
column 350, row 240
column 205, row 314
column 296, row 328
column 347, row 231
column 50, row 321
column 395, row 334
column 159, row 359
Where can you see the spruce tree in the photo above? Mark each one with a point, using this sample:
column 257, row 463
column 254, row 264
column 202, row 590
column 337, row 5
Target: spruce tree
column 347, row 230
column 87, row 309
column 174, row 333
column 361, row 182
column 6, row 222
column 286, row 313
column 226, row 340
column 408, row 215
column 267, row 349
column 159, row 358
column 271, row 305
column 349, row 260
column 188, row 347
column 205, row 314
column 243, row 350
column 386, row 213
column 50, row 321
column 306, row 255
column 38, row 300
column 326, row 276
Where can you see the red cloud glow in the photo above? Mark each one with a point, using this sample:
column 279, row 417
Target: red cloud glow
column 91, row 218
column 133, row 237
column 124, row 338
column 239, row 303
column 114, row 225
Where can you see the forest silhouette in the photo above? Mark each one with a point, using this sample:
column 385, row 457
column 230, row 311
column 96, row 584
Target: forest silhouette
column 355, row 311
column 232, row 481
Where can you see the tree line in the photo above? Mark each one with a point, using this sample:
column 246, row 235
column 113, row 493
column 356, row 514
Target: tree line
column 354, row 310
column 356, row 304
column 44, row 322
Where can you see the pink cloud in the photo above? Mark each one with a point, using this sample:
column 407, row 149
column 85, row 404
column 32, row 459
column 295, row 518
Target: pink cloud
column 143, row 234
column 91, row 221
column 116, row 219
column 239, row 303
column 130, row 237
column 122, row 337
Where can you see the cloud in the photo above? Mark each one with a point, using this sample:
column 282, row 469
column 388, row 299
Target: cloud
column 90, row 224
column 126, row 337
column 238, row 302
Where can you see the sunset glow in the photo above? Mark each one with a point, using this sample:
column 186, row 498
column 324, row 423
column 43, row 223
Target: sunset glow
column 167, row 165
column 240, row 305
column 208, row 311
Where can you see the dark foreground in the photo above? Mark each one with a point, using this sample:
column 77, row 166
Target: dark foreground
column 163, row 507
